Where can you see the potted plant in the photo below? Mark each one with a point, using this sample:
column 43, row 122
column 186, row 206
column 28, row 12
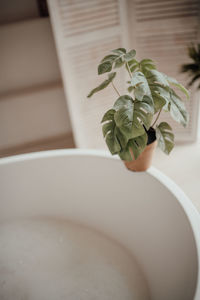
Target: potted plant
column 193, row 68
column 129, row 127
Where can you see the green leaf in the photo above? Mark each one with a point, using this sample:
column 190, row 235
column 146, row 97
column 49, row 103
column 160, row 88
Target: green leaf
column 103, row 85
column 129, row 56
column 133, row 65
column 141, row 115
column 177, row 109
column 159, row 101
column 147, row 104
column 161, row 97
column 119, row 51
column 136, row 146
column 129, row 117
column 110, row 58
column 174, row 82
column 130, row 89
column 109, row 115
column 124, row 121
column 104, row 67
column 154, row 76
column 147, row 64
column 123, row 101
column 165, row 137
column 123, row 140
column 112, row 134
column 119, row 62
column 109, row 132
column 141, row 86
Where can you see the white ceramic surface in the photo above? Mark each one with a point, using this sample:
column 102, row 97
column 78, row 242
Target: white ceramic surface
column 146, row 212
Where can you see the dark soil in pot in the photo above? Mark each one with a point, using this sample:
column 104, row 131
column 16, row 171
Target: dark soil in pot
column 151, row 135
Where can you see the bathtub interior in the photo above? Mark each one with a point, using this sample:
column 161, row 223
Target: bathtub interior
column 135, row 209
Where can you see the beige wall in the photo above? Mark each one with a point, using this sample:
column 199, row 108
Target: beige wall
column 32, row 101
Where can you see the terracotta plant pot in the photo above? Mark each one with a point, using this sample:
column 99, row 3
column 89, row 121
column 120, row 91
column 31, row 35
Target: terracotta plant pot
column 143, row 162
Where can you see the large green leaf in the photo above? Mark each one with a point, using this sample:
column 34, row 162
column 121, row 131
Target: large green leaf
column 130, row 116
column 154, row 76
column 133, row 65
column 127, row 117
column 110, row 58
column 177, row 109
column 141, row 114
column 165, row 137
column 104, row 67
column 119, row 51
column 108, row 116
column 119, row 58
column 110, row 133
column 174, row 82
column 113, row 136
column 123, row 101
column 161, row 97
column 147, row 64
column 130, row 55
column 103, row 85
column 141, row 86
column 136, row 146
column 147, row 104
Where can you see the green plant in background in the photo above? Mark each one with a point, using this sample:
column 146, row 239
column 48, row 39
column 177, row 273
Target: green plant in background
column 193, row 69
column 128, row 126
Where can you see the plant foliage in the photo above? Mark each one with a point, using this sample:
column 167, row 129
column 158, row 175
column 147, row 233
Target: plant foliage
column 193, row 68
column 126, row 125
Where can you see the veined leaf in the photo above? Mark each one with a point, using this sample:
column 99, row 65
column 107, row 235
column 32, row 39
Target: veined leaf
column 122, row 139
column 119, row 62
column 174, row 82
column 147, row 104
column 108, row 116
column 110, row 58
column 114, row 138
column 136, row 146
column 154, row 76
column 141, row 115
column 104, row 67
column 161, row 97
column 133, row 65
column 117, row 59
column 165, row 137
column 129, row 117
column 177, row 109
column 109, row 133
column 119, row 51
column 129, row 56
column 103, row 85
column 123, row 101
column 141, row 86
column 147, row 64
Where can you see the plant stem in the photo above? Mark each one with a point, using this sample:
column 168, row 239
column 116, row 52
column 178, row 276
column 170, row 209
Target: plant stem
column 129, row 70
column 158, row 115
column 114, row 87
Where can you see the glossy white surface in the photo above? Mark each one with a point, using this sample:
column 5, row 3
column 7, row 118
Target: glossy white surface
column 146, row 212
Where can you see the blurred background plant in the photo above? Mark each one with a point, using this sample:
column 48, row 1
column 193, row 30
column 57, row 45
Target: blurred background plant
column 193, row 68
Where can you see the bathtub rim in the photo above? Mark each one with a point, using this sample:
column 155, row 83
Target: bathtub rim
column 186, row 204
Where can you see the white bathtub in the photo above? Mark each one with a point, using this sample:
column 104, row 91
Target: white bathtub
column 146, row 212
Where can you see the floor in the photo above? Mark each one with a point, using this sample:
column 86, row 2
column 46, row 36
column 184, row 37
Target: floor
column 182, row 166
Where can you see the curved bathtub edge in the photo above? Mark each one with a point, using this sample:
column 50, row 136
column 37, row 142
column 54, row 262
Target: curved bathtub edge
column 190, row 211
column 184, row 201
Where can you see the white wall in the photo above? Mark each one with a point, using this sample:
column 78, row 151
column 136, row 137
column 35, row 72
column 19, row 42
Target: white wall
column 32, row 101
